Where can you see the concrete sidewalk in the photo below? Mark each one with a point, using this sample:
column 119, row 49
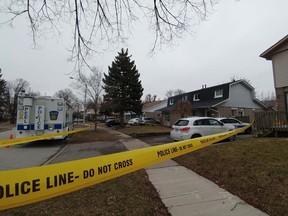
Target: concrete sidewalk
column 186, row 193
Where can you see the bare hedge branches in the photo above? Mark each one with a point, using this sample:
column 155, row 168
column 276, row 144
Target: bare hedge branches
column 98, row 21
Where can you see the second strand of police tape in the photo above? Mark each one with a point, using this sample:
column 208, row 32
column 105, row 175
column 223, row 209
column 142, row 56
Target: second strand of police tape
column 24, row 186
column 22, row 140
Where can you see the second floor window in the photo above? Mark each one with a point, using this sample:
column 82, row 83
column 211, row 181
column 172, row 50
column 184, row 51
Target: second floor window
column 171, row 101
column 218, row 93
column 185, row 98
column 196, row 97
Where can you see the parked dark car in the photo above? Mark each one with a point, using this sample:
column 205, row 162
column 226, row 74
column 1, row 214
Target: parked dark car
column 112, row 122
column 147, row 121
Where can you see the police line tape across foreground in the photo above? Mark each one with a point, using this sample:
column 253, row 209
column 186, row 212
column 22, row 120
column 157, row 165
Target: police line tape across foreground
column 25, row 186
column 17, row 141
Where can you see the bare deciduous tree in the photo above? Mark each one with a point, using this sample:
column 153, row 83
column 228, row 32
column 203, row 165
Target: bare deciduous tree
column 183, row 108
column 13, row 88
column 171, row 92
column 178, row 91
column 67, row 95
column 2, row 84
column 91, row 85
column 268, row 96
column 148, row 98
column 96, row 21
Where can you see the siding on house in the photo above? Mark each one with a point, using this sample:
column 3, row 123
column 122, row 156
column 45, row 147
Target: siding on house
column 236, row 98
column 280, row 69
column 282, row 101
column 241, row 96
column 150, row 109
column 278, row 53
column 282, row 48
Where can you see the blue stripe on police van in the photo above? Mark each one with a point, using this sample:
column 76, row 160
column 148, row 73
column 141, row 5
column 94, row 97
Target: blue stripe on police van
column 24, row 127
column 57, row 126
column 31, row 127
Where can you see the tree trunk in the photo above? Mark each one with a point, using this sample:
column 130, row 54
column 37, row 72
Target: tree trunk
column 121, row 119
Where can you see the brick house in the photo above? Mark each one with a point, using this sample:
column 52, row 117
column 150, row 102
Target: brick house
column 232, row 99
column 150, row 109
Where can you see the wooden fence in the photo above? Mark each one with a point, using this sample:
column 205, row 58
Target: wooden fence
column 270, row 123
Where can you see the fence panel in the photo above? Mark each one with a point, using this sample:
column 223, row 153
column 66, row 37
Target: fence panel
column 269, row 122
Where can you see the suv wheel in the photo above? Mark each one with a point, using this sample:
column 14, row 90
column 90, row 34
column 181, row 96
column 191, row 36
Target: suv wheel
column 195, row 136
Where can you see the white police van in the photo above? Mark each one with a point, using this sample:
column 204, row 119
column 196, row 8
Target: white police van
column 39, row 115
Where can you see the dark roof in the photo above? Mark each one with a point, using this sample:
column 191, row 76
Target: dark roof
column 275, row 48
column 208, row 103
column 206, row 96
column 165, row 109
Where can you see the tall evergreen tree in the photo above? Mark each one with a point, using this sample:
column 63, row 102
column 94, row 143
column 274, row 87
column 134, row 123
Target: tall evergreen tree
column 2, row 90
column 123, row 89
column 2, row 84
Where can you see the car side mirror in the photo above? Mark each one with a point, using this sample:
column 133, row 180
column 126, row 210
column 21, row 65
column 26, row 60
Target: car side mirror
column 221, row 123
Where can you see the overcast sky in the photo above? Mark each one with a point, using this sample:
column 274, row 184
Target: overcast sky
column 227, row 45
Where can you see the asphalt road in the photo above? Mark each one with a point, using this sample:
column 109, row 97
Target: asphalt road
column 47, row 152
column 53, row 151
column 86, row 150
column 29, row 154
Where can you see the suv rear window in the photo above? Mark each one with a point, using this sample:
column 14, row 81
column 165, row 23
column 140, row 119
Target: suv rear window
column 181, row 123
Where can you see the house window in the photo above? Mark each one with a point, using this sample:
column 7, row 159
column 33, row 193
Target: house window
column 218, row 93
column 241, row 112
column 196, row 97
column 171, row 101
column 234, row 112
column 185, row 98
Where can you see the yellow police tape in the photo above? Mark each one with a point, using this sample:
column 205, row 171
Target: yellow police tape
column 25, row 186
column 22, row 140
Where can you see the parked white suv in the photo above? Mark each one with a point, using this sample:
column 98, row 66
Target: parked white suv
column 192, row 127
